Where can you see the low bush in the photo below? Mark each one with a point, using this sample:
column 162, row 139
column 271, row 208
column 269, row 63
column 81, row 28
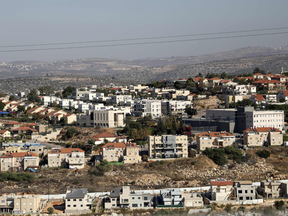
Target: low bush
column 9, row 176
column 264, row 153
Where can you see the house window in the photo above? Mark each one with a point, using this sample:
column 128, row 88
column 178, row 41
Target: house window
column 251, row 191
column 246, row 191
column 133, row 197
column 241, row 198
column 81, row 205
column 134, row 205
column 74, row 199
column 80, row 199
column 68, row 205
column 68, row 200
column 145, row 198
column 74, row 205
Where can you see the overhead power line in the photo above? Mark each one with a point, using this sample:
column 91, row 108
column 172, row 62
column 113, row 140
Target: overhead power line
column 142, row 43
column 143, row 38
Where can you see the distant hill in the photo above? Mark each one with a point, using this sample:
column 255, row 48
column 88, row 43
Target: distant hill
column 271, row 64
column 21, row 75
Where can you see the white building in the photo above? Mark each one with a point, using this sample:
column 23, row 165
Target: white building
column 148, row 107
column 174, row 106
column 102, row 118
column 120, row 99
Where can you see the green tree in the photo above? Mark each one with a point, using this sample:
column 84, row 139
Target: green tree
column 57, row 94
column 263, row 154
column 13, row 98
column 223, row 75
column 68, row 91
column 50, row 210
column 217, row 155
column 46, row 90
column 279, row 204
column 190, row 111
column 161, row 129
column 70, row 132
column 33, row 96
column 2, row 105
column 20, row 108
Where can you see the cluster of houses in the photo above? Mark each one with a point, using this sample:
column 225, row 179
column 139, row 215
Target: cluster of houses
column 220, row 191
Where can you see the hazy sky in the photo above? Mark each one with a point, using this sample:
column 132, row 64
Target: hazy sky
column 56, row 21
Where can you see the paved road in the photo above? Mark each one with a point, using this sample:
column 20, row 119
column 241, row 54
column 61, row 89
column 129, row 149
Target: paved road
column 50, row 145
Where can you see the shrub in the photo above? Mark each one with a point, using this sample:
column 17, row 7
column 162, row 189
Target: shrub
column 9, row 176
column 279, row 204
column 76, row 182
column 241, row 208
column 70, row 132
column 217, row 155
column 228, row 207
column 50, row 210
column 264, row 153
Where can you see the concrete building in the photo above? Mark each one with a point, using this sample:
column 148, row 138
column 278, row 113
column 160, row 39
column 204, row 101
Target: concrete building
column 214, row 140
column 168, row 146
column 128, row 152
column 171, row 196
column 221, row 190
column 265, row 136
column 124, row 198
column 78, row 201
column 74, row 158
column 102, row 118
column 120, row 99
column 86, row 94
column 246, row 117
column 173, row 106
column 23, row 204
column 148, row 107
column 244, row 190
column 37, row 149
column 19, row 161
column 192, row 199
column 270, row 189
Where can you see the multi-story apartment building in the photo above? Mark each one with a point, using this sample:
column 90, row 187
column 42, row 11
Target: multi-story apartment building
column 37, row 149
column 74, row 158
column 19, row 161
column 234, row 89
column 171, row 196
column 120, row 99
column 270, row 189
column 262, row 136
column 214, row 140
column 78, row 201
column 246, row 117
column 244, row 190
column 148, row 107
column 102, row 118
column 173, row 106
column 129, row 152
column 84, row 94
column 19, row 205
column 168, row 146
column 124, row 198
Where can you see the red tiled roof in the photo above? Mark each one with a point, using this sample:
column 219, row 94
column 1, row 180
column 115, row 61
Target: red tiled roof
column 104, row 134
column 11, row 123
column 52, row 113
column 114, row 88
column 214, row 134
column 245, row 78
column 285, row 92
column 25, row 129
column 215, row 78
column 197, row 79
column 262, row 129
column 20, row 154
column 8, row 102
column 119, row 145
column 41, row 111
column 224, row 81
column 67, row 115
column 259, row 97
column 58, row 114
column 221, row 183
column 258, row 74
column 3, row 131
column 65, row 150
column 269, row 75
column 32, row 110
